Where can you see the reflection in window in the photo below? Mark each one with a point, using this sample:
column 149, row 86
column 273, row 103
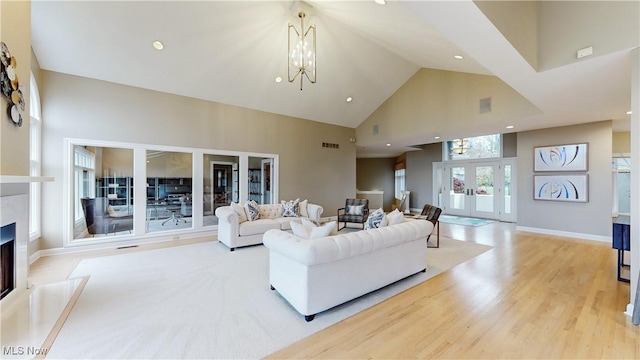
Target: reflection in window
column 221, row 184
column 259, row 182
column 169, row 190
column 103, row 191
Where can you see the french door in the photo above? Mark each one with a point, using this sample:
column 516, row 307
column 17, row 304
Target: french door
column 478, row 189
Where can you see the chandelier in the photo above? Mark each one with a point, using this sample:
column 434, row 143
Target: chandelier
column 302, row 52
column 459, row 146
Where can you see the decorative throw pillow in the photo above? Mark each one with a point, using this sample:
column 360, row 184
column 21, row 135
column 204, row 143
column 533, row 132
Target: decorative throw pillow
column 299, row 230
column 252, row 210
column 323, row 230
column 395, row 217
column 302, row 208
column 355, row 209
column 376, row 219
column 290, row 208
column 239, row 209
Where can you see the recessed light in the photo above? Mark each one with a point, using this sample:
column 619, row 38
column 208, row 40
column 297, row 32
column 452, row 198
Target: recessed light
column 459, row 57
column 629, row 112
column 388, row 144
column 380, row 2
column 436, row 137
column 278, row 79
column 510, row 126
column 158, row 45
column 349, row 99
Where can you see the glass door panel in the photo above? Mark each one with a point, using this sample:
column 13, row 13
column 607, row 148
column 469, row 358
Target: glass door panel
column 507, row 189
column 484, row 199
column 457, row 188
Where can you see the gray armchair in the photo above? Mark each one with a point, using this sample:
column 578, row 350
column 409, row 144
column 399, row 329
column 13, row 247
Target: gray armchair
column 354, row 211
column 97, row 217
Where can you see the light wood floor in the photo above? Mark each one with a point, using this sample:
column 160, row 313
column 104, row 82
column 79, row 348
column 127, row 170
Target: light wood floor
column 531, row 296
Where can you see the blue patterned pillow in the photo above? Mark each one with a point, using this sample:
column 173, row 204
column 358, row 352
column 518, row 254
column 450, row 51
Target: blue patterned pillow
column 253, row 212
column 290, row 208
column 376, row 219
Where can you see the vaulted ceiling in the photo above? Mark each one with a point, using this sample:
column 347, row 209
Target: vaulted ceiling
column 232, row 51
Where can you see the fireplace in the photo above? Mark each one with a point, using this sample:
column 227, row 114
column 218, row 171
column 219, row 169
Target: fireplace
column 14, row 238
column 7, row 259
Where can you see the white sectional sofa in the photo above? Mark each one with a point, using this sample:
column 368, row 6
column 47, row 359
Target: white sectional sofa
column 314, row 275
column 234, row 232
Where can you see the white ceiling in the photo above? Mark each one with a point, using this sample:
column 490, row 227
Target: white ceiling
column 231, row 52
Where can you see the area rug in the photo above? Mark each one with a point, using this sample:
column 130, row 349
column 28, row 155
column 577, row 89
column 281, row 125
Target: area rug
column 202, row 301
column 460, row 220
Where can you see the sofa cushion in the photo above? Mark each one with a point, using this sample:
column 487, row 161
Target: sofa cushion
column 257, row 226
column 302, row 208
column 299, row 230
column 269, row 211
column 376, row 219
column 253, row 212
column 308, row 230
column 357, row 210
column 239, row 209
column 290, row 208
column 395, row 217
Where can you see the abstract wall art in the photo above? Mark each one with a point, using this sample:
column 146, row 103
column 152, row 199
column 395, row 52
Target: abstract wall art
column 571, row 157
column 572, row 188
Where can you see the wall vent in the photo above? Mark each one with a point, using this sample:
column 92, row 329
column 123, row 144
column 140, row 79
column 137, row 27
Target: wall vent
column 330, row 145
column 375, row 129
column 485, row 105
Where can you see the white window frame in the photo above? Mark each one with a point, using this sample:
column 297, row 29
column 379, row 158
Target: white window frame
column 35, row 160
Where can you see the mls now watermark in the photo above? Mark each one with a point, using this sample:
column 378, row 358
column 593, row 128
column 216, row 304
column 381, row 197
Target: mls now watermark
column 23, row 350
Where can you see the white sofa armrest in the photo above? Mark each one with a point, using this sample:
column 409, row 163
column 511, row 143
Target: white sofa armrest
column 315, row 211
column 227, row 225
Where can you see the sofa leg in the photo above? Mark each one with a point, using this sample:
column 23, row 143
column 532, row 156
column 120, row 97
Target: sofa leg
column 272, row 288
column 424, row 270
column 232, row 249
column 308, row 318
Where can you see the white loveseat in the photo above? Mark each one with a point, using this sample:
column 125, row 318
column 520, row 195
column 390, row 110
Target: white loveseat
column 236, row 233
column 314, row 275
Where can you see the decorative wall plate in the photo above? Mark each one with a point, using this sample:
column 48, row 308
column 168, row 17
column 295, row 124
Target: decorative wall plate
column 10, row 86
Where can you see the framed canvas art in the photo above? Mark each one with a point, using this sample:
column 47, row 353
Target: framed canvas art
column 571, row 157
column 572, row 188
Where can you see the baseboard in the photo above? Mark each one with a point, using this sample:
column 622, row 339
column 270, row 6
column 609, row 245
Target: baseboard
column 629, row 311
column 565, row 234
column 157, row 238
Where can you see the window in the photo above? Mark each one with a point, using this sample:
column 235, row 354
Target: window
column 479, row 147
column 35, row 167
column 399, row 182
column 84, row 178
column 621, row 185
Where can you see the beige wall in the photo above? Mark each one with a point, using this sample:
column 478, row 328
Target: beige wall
column 15, row 27
column 420, row 174
column 76, row 107
column 622, row 142
column 377, row 174
column 593, row 217
column 442, row 103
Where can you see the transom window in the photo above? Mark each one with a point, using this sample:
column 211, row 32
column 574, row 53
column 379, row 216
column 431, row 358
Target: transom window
column 478, row 147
